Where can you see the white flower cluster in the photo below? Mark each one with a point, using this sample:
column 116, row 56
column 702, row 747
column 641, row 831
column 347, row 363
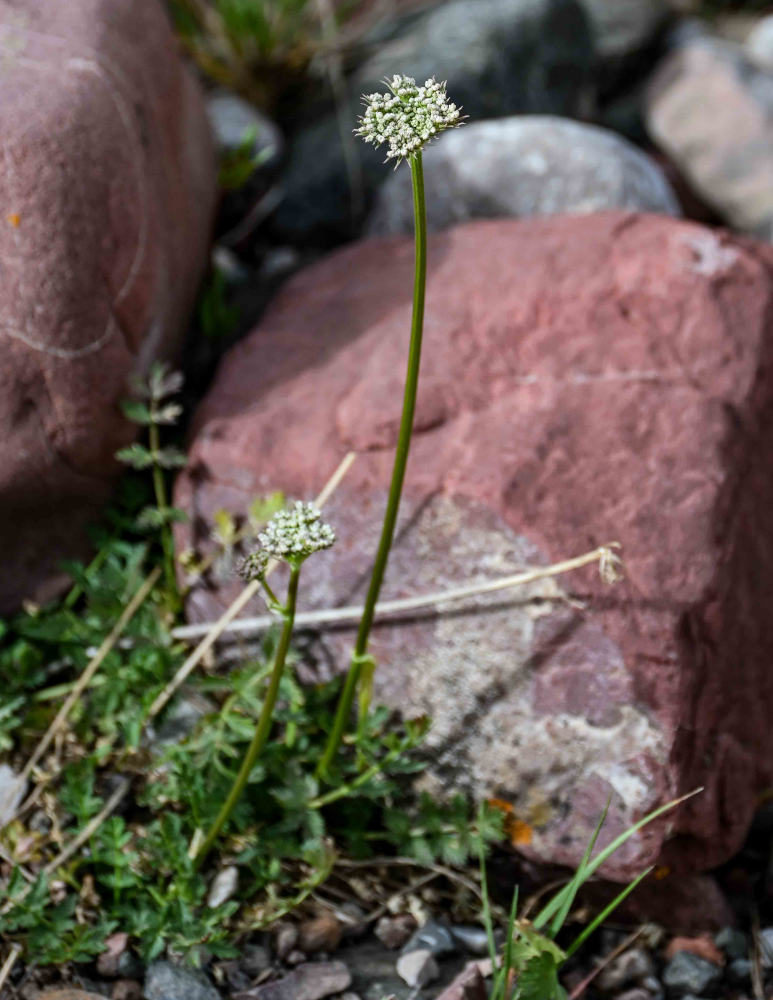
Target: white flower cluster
column 408, row 117
column 294, row 534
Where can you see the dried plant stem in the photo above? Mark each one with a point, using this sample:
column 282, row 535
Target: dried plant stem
column 84, row 680
column 9, row 964
column 353, row 613
column 213, row 632
column 359, row 655
column 264, row 722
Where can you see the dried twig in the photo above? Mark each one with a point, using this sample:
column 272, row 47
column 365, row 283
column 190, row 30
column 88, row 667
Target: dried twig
column 89, row 829
column 214, row 630
column 9, row 963
column 339, row 616
column 581, row 987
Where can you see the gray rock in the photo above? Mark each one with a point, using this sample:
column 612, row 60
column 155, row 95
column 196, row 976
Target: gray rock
column 311, row 981
column 739, row 972
column 732, row 942
column 223, row 886
column 687, row 973
column 255, row 959
column 500, row 57
column 623, row 27
column 711, row 111
column 639, row 993
column 472, row 939
column 237, row 126
column 432, row 937
column 766, row 947
column 11, row 792
column 759, row 44
column 418, row 968
column 234, row 120
column 524, row 166
column 630, row 968
column 165, row 981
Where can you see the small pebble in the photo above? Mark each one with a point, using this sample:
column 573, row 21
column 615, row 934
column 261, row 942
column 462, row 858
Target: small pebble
column 732, row 942
column 296, row 957
column 766, row 947
column 224, row 885
column 322, row 933
column 255, row 959
column 418, row 967
column 739, row 972
column 308, row 982
column 165, row 981
column 628, row 969
column 653, row 986
column 285, row 940
column 638, row 993
column 432, row 937
column 472, row 939
column 393, row 932
column 687, row 973
column 126, row 989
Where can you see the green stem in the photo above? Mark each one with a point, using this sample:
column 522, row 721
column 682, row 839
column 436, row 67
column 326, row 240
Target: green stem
column 359, row 656
column 264, row 722
column 159, row 488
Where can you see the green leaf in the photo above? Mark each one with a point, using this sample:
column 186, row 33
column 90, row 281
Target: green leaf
column 136, row 455
column 137, row 412
column 539, row 980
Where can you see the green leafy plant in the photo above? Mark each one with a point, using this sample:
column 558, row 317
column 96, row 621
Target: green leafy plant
column 153, row 409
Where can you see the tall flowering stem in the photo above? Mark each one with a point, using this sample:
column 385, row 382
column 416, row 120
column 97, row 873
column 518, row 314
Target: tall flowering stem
column 290, row 536
column 406, row 119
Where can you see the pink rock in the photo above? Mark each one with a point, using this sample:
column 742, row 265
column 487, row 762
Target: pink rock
column 107, row 187
column 584, row 380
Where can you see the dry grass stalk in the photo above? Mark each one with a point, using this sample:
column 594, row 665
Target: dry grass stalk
column 338, row 616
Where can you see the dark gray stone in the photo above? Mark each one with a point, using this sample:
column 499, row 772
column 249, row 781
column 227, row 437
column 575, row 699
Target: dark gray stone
column 690, row 974
column 524, row 166
column 732, row 942
column 623, row 27
column 766, row 947
column 472, row 939
column 739, row 972
column 165, row 981
column 500, row 57
column 630, row 968
column 433, row 937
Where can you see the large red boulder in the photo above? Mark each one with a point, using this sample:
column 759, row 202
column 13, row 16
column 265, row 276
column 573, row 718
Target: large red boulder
column 107, row 187
column 584, row 380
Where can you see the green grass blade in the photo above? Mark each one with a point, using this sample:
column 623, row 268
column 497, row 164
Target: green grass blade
column 568, row 894
column 555, row 904
column 487, row 921
column 610, row 908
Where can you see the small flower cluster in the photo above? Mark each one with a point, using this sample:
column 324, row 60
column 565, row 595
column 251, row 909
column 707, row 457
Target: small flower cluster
column 291, row 535
column 408, row 117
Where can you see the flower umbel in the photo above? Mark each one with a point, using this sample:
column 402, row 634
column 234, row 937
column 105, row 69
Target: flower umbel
column 408, row 117
column 291, row 535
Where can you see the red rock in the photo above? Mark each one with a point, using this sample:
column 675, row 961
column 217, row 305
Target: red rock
column 108, row 185
column 584, row 380
column 702, row 946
